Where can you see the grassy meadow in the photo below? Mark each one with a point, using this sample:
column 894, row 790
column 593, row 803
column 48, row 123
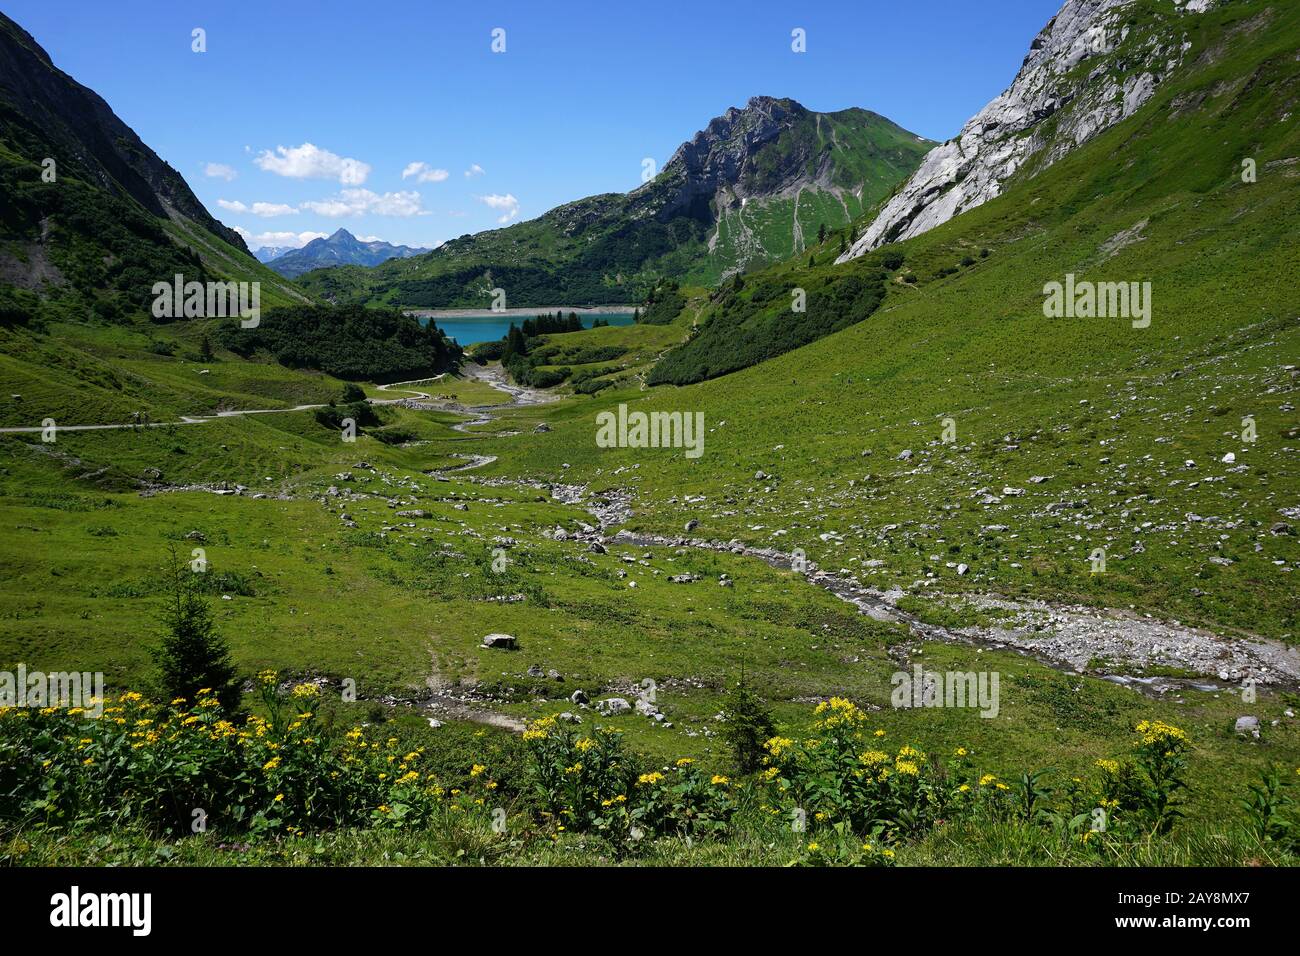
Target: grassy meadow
column 956, row 427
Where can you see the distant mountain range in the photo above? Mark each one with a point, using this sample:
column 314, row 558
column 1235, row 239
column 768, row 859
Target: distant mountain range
column 754, row 186
column 267, row 253
column 340, row 249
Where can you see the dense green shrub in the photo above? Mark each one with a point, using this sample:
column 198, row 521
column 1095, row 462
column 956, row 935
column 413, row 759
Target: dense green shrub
column 751, row 323
column 192, row 654
column 592, row 386
column 363, row 415
column 18, row 306
column 590, row 783
column 748, row 727
column 485, row 352
column 285, row 772
column 395, row 435
column 663, row 305
column 522, row 355
column 351, row 342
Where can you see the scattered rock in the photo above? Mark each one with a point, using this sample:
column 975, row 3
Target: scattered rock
column 1248, row 725
column 501, row 642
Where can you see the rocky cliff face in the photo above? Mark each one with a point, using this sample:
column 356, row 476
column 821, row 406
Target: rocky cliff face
column 1087, row 70
column 44, row 112
column 738, row 157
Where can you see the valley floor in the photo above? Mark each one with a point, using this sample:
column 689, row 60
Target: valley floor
column 387, row 565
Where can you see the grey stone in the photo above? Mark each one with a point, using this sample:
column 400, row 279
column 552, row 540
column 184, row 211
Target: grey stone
column 1069, row 90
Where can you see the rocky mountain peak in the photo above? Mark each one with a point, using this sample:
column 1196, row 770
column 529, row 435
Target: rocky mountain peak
column 1083, row 71
column 720, row 167
column 718, row 152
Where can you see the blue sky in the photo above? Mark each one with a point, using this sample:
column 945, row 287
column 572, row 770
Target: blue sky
column 316, row 109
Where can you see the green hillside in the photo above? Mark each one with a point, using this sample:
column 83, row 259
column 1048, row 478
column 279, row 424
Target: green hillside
column 690, row 223
column 1108, row 413
column 93, row 217
column 950, row 459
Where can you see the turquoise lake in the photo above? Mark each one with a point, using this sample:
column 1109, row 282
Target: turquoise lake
column 470, row 330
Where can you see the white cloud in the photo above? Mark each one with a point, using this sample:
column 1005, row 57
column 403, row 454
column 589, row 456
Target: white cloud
column 295, row 239
column 263, row 209
column 312, row 162
column 424, row 173
column 219, row 171
column 507, row 205
column 267, row 209
column 474, row 170
column 355, row 202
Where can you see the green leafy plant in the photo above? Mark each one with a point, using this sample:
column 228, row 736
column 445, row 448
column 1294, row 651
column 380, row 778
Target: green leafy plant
column 192, row 654
column 748, row 726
